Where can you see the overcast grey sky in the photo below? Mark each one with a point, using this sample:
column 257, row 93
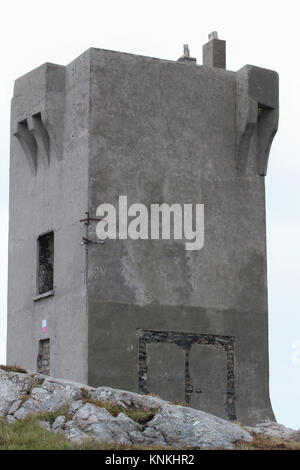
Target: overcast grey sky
column 262, row 33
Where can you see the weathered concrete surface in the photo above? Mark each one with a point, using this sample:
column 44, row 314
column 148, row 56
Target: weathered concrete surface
column 53, row 198
column 156, row 140
column 214, row 53
column 156, row 131
column 172, row 426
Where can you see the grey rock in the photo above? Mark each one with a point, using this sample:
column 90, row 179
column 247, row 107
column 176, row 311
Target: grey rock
column 102, row 432
column 38, row 379
column 59, row 423
column 39, row 396
column 73, row 433
column 137, row 437
column 23, row 412
column 296, row 436
column 10, row 419
column 16, row 404
column 272, row 429
column 124, row 417
column 74, row 406
column 47, row 399
column 152, row 435
column 127, row 399
column 46, row 425
column 13, row 386
column 89, row 414
column 181, row 426
column 63, row 388
column 98, row 423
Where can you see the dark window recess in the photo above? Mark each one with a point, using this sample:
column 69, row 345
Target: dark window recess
column 43, row 359
column 46, row 262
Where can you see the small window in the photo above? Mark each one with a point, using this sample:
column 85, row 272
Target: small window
column 45, row 262
column 43, row 359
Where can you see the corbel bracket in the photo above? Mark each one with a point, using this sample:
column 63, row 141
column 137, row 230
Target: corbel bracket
column 257, row 114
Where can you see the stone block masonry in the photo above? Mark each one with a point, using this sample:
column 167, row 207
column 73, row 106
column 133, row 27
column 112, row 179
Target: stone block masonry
column 43, row 358
column 186, row 341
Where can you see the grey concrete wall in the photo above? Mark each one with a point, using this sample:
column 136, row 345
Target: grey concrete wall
column 166, row 132
column 53, row 197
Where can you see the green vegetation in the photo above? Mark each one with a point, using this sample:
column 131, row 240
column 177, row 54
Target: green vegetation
column 51, row 416
column 140, row 415
column 29, row 435
column 263, row 442
column 24, row 399
column 13, row 368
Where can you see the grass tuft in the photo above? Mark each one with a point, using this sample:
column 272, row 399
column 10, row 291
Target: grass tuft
column 28, row 434
column 263, row 442
column 140, row 415
column 85, row 394
column 13, row 368
column 50, row 416
column 24, row 398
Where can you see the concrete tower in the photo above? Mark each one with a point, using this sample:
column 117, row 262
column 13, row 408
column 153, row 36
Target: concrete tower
column 143, row 315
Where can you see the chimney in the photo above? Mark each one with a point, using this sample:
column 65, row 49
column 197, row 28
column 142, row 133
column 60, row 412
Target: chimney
column 214, row 51
column 186, row 55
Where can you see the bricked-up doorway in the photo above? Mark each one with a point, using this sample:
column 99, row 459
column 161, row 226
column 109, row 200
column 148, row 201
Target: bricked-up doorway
column 45, row 262
column 207, row 380
column 43, row 359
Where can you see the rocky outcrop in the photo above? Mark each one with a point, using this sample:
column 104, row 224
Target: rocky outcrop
column 271, row 429
column 13, row 387
column 107, row 414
